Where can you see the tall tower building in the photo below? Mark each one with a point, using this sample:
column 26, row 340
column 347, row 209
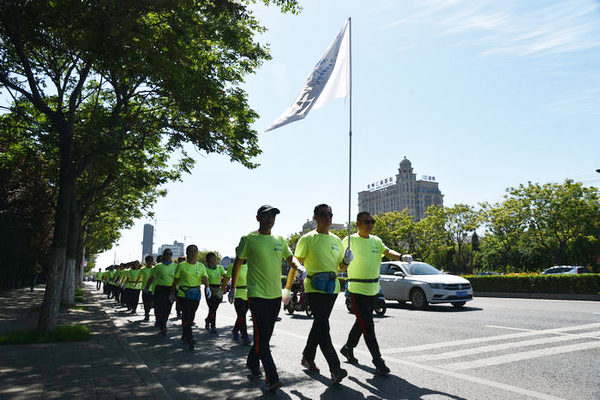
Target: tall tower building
column 403, row 192
column 147, row 240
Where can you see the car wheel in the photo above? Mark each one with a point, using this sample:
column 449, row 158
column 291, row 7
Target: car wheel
column 460, row 304
column 418, row 299
column 380, row 311
column 349, row 307
column 309, row 311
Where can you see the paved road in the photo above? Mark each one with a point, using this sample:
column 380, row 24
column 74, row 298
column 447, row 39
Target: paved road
column 492, row 349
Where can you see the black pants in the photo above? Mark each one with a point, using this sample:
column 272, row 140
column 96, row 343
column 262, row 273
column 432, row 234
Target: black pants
column 148, row 300
column 98, row 283
column 111, row 291
column 213, row 304
column 264, row 314
column 321, row 304
column 241, row 308
column 363, row 310
column 133, row 298
column 162, row 305
column 188, row 313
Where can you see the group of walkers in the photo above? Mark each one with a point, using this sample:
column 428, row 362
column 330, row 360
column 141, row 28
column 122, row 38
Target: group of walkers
column 255, row 278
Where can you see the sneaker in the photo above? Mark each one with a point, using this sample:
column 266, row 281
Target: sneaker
column 246, row 340
column 213, row 329
column 380, row 368
column 163, row 331
column 236, row 336
column 309, row 365
column 273, row 386
column 338, row 375
column 254, row 375
column 349, row 354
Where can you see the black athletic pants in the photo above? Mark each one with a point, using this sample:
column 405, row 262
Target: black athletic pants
column 363, row 310
column 264, row 314
column 321, row 304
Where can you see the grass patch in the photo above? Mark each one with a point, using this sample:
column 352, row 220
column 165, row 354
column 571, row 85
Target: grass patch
column 79, row 299
column 66, row 333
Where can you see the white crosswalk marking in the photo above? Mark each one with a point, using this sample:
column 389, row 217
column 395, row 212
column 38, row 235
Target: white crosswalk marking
column 527, row 355
column 504, row 346
column 490, row 339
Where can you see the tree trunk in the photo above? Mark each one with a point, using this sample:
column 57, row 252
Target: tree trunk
column 50, row 308
column 70, row 282
column 48, row 319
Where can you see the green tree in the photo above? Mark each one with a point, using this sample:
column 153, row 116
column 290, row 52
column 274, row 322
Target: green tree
column 461, row 222
column 176, row 65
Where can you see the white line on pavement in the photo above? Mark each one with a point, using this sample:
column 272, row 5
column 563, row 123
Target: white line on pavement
column 526, row 355
column 503, row 346
column 489, row 339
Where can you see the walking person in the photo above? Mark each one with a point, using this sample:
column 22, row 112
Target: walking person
column 215, row 274
column 189, row 274
column 147, row 297
column 161, row 278
column 37, row 270
column 263, row 252
column 98, row 279
column 134, row 286
column 363, row 285
column 240, row 302
column 323, row 256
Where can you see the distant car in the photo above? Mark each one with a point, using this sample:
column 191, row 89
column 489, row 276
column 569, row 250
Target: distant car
column 566, row 269
column 422, row 284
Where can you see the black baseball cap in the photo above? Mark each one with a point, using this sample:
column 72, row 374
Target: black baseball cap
column 264, row 209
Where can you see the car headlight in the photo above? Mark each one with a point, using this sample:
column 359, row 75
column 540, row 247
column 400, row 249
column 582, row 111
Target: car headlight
column 438, row 285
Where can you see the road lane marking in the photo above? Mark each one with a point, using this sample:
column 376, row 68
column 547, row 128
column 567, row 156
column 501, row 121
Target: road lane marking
column 473, row 379
column 489, row 339
column 503, row 346
column 526, row 355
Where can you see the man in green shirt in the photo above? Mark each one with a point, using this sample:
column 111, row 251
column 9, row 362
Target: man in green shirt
column 323, row 256
column 263, row 253
column 147, row 298
column 189, row 274
column 363, row 285
column 240, row 302
column 162, row 277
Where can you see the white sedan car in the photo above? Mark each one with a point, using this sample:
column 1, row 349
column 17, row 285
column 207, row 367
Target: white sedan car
column 422, row 284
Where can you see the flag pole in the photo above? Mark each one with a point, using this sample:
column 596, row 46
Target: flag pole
column 350, row 136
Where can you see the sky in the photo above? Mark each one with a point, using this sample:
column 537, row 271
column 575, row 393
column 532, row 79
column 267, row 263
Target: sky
column 483, row 96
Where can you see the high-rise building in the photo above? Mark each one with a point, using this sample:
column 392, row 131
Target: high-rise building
column 403, row 192
column 148, row 240
column 176, row 248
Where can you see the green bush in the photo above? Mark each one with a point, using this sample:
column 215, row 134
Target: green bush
column 537, row 283
column 66, row 333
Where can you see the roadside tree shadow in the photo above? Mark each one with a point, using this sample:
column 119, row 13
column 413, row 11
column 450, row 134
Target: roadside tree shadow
column 393, row 387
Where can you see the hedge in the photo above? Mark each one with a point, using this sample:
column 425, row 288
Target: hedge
column 537, row 283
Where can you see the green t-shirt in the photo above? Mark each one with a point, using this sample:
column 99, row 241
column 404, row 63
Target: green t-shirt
column 99, row 275
column 163, row 275
column 145, row 273
column 321, row 253
column 111, row 277
column 189, row 275
column 366, row 264
column 132, row 277
column 241, row 291
column 215, row 274
column 263, row 254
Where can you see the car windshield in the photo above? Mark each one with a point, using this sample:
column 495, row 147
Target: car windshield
column 421, row 269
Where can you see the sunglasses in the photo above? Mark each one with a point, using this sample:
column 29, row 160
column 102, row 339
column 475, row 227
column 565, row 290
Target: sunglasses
column 368, row 221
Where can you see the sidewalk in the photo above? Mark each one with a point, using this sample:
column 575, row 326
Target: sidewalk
column 103, row 368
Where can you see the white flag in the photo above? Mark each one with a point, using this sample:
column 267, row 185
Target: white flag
column 330, row 79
